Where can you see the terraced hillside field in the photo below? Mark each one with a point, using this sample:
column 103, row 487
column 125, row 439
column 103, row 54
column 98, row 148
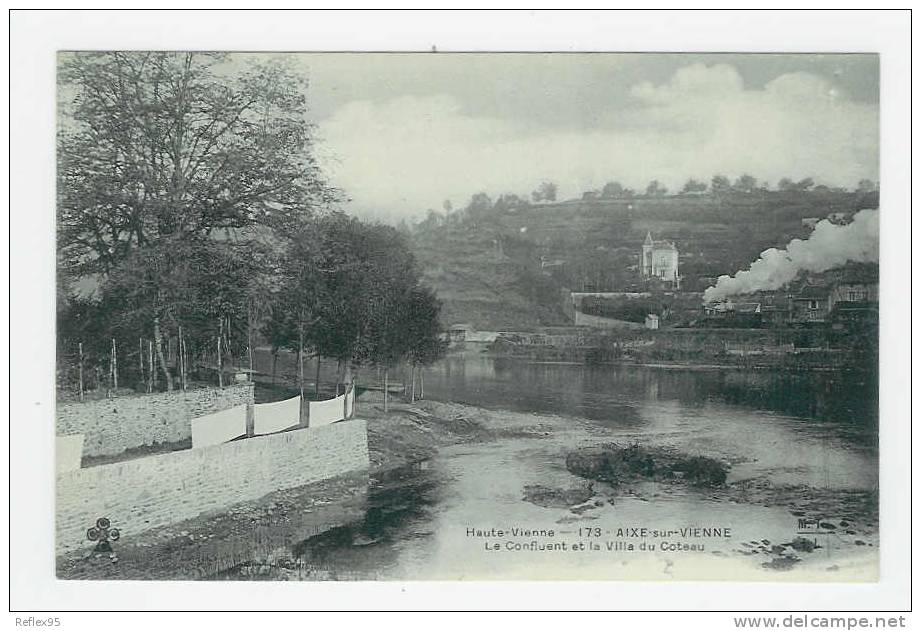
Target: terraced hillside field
column 489, row 271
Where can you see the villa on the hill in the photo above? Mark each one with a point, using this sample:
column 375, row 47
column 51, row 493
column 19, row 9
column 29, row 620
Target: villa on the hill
column 660, row 260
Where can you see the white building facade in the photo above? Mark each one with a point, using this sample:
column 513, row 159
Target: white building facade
column 660, row 260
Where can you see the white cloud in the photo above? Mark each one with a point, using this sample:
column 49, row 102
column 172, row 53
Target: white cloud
column 695, row 82
column 401, row 156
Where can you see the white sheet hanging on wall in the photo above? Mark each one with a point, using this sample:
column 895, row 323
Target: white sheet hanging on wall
column 220, row 427
column 68, row 451
column 276, row 416
column 326, row 412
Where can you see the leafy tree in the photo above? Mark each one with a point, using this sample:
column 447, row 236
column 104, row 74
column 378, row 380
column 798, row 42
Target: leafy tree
column 694, row 186
column 352, row 293
column 197, row 283
column 363, row 267
column 545, row 192
column 422, row 330
column 612, row 190
column 507, row 201
column 294, row 306
column 720, row 184
column 745, row 184
column 432, row 220
column 159, row 145
column 867, row 186
column 655, row 189
column 786, row 184
column 479, row 206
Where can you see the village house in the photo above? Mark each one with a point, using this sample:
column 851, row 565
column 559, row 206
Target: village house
column 727, row 313
column 854, row 301
column 719, row 309
column 810, row 305
column 853, row 291
column 457, row 334
column 776, row 312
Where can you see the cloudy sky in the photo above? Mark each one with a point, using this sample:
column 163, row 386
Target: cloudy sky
column 400, row 133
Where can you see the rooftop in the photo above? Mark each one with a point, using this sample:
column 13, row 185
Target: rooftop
column 659, row 245
column 812, row 292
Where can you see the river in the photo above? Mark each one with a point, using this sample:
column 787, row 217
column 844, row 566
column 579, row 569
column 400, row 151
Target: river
column 802, row 447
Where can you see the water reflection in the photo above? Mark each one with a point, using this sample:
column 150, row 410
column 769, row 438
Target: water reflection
column 602, row 393
column 399, row 505
column 813, row 433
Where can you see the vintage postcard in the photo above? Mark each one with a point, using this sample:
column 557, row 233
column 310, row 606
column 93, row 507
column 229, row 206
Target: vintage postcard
column 467, row 316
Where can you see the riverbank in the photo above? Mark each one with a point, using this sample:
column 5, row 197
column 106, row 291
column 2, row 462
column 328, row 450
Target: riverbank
column 788, row 349
column 261, row 539
column 262, row 530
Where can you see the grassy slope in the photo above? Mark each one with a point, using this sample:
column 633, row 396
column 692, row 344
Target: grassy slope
column 478, row 283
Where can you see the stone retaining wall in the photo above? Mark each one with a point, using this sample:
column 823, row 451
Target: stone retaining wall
column 110, row 426
column 151, row 492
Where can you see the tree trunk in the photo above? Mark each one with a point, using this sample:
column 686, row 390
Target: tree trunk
column 220, row 364
column 180, row 360
column 80, row 350
column 274, row 363
column 385, row 390
column 300, row 371
column 158, row 342
column 412, row 373
column 339, row 370
column 114, row 367
column 421, row 383
column 249, row 339
column 141, row 359
column 350, row 387
column 151, row 373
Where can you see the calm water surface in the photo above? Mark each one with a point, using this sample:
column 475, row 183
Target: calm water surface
column 816, row 433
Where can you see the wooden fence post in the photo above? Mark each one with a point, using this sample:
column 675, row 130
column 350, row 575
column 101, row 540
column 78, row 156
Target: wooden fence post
column 304, row 410
column 250, row 420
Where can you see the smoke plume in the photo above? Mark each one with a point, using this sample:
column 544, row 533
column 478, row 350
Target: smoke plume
column 830, row 245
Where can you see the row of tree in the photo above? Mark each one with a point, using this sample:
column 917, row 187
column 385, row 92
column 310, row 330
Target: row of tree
column 189, row 195
column 481, row 203
column 720, row 184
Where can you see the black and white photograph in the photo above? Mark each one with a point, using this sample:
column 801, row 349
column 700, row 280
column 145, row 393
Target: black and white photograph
column 330, row 316
column 626, row 326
